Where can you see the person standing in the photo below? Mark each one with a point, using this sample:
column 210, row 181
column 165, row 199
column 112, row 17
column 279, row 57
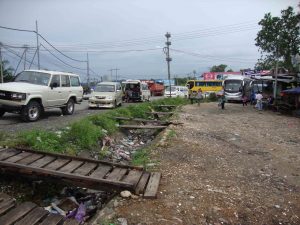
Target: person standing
column 223, row 100
column 259, row 98
column 199, row 96
column 244, row 99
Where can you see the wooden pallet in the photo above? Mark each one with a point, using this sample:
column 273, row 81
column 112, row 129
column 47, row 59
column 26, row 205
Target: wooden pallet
column 79, row 171
column 28, row 213
column 142, row 127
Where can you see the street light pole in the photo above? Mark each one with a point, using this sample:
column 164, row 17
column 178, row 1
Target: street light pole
column 168, row 58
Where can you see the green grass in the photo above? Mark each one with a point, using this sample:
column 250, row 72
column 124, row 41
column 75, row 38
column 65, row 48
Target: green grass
column 171, row 134
column 86, row 133
column 42, row 140
column 141, row 157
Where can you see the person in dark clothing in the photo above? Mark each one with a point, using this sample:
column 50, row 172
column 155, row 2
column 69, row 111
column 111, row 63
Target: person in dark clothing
column 244, row 99
column 223, row 100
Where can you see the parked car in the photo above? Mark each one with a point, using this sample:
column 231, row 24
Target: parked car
column 177, row 91
column 135, row 90
column 33, row 91
column 106, row 95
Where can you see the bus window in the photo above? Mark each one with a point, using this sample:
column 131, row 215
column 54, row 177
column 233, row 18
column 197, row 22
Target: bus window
column 201, row 84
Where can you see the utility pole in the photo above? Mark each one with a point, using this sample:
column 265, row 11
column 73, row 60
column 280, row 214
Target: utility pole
column 194, row 72
column 25, row 51
column 1, row 66
column 275, row 85
column 117, row 74
column 168, row 59
column 111, row 73
column 37, row 43
column 87, row 69
column 111, row 70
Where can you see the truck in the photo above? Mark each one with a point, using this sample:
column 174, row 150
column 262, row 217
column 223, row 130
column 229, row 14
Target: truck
column 156, row 87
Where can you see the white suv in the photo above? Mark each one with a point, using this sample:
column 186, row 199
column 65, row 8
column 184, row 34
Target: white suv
column 33, row 91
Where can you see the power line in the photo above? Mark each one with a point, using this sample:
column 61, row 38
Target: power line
column 15, row 29
column 62, row 60
column 32, row 31
column 210, row 57
column 60, row 51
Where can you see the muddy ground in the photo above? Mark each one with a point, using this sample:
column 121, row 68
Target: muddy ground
column 232, row 166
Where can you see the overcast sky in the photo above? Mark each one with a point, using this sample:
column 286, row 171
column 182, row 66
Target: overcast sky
column 204, row 33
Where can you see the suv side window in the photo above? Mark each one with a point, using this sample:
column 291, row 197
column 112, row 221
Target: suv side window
column 74, row 81
column 65, row 81
column 55, row 79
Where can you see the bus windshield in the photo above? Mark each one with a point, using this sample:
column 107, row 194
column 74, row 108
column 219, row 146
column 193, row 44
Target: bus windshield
column 233, row 85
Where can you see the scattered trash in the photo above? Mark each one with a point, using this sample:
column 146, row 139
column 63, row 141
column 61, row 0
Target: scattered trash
column 125, row 194
column 78, row 203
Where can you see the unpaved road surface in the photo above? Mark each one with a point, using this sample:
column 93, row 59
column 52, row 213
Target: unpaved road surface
column 232, row 166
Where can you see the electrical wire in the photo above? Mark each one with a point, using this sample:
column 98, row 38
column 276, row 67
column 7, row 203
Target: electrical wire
column 15, row 29
column 212, row 57
column 62, row 60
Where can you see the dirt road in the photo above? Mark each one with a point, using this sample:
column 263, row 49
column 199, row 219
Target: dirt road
column 236, row 166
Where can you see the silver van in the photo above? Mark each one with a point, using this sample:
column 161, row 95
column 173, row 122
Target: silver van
column 106, row 95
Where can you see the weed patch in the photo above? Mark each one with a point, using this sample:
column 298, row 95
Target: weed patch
column 85, row 134
column 141, row 157
column 42, row 140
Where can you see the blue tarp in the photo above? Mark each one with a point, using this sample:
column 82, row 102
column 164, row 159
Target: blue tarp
column 292, row 91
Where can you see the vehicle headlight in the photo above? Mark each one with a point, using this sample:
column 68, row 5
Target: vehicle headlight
column 109, row 98
column 18, row 96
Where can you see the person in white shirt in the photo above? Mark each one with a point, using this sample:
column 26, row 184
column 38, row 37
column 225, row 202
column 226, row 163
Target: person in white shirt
column 259, row 98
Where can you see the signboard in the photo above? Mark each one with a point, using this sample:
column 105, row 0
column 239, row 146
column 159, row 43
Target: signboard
column 218, row 75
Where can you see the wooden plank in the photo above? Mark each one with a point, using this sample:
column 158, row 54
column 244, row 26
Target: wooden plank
column 142, row 183
column 168, row 106
column 4, row 196
column 71, row 222
column 18, row 157
column 33, row 217
column 56, row 155
column 152, row 186
column 30, row 159
column 58, row 163
column 85, row 169
column 15, row 214
column 52, row 219
column 142, row 127
column 101, row 171
column 84, row 180
column 160, row 113
column 8, row 153
column 133, row 177
column 117, row 174
column 42, row 161
column 6, row 205
column 71, row 166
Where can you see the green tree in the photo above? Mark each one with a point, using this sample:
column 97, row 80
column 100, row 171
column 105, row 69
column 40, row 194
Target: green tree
column 7, row 71
column 279, row 38
column 219, row 68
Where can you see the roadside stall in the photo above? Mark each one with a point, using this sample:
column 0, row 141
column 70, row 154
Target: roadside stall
column 291, row 100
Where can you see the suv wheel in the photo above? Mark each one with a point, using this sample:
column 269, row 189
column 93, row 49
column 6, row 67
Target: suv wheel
column 2, row 112
column 31, row 112
column 69, row 108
